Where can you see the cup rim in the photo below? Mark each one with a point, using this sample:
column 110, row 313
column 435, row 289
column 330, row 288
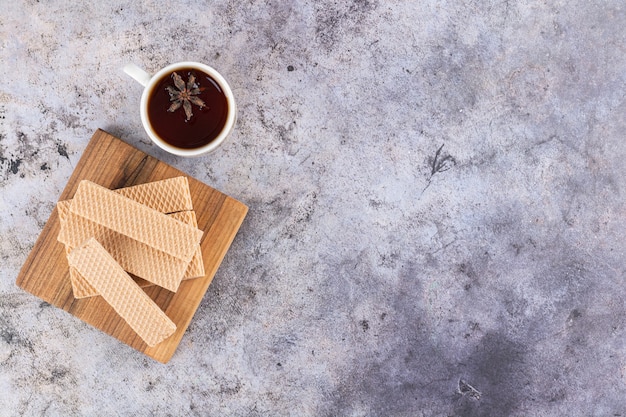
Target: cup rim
column 230, row 118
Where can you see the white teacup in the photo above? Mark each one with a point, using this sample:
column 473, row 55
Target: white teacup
column 151, row 82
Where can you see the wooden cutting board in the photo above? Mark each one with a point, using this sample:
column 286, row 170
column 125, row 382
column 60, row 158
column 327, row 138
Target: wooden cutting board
column 112, row 163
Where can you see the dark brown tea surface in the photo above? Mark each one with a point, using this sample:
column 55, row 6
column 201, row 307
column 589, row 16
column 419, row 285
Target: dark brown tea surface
column 206, row 105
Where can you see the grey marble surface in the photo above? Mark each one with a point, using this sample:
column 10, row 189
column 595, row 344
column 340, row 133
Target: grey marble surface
column 436, row 193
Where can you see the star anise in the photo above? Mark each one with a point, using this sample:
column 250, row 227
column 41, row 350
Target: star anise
column 184, row 95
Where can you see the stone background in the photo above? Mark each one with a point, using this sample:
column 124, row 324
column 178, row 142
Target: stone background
column 436, row 193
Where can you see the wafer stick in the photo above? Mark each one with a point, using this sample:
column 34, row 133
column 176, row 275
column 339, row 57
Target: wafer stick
column 121, row 292
column 130, row 218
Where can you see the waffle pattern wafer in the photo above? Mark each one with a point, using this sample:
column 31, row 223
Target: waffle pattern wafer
column 121, row 292
column 166, row 196
column 125, row 216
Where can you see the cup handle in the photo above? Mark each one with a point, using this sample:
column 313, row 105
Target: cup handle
column 138, row 74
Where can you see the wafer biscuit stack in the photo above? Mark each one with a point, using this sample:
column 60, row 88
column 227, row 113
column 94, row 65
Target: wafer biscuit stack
column 148, row 231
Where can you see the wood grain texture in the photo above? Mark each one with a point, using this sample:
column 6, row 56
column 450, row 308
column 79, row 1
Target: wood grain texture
column 113, row 164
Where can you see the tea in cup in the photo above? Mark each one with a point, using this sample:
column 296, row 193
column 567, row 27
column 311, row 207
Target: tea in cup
column 187, row 108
